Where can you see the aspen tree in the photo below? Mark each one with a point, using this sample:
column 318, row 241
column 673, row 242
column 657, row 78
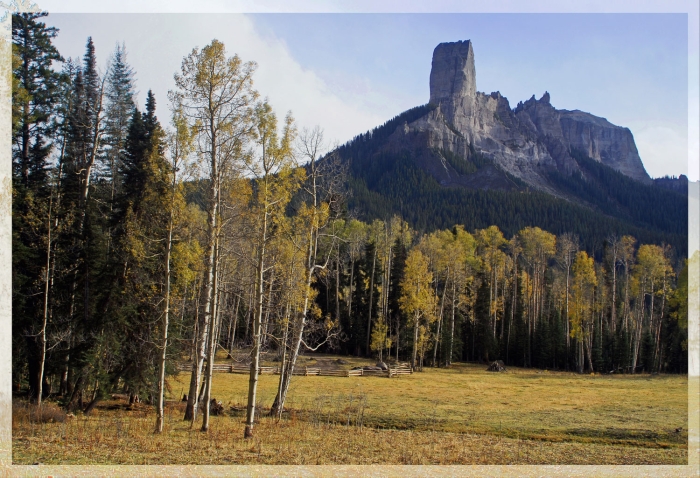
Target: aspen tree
column 313, row 217
column 567, row 247
column 538, row 247
column 417, row 296
column 275, row 181
column 216, row 95
column 582, row 290
column 180, row 146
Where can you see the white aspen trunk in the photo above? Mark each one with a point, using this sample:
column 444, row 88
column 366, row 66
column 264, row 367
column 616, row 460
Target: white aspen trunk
column 337, row 285
column 371, row 297
column 514, row 303
column 257, row 326
column 160, row 409
column 415, row 341
column 227, row 300
column 47, row 275
column 589, row 346
column 352, row 277
column 235, row 323
column 276, row 409
column 638, row 330
column 503, row 297
column 398, row 327
column 495, row 301
column 213, row 339
column 657, row 338
column 388, row 284
column 439, row 326
column 248, row 312
column 211, row 259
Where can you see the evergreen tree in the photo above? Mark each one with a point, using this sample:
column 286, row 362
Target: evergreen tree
column 598, row 360
column 119, row 91
column 398, row 268
column 142, row 247
column 35, row 94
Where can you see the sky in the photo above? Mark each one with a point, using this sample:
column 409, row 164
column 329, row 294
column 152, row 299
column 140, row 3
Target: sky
column 350, row 72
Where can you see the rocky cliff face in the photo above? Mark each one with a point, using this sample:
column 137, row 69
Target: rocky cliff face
column 527, row 141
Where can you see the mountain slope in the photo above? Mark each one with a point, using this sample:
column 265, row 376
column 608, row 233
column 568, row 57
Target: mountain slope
column 468, row 158
column 395, row 184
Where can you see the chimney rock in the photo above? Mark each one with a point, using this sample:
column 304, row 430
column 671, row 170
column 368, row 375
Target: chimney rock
column 453, row 74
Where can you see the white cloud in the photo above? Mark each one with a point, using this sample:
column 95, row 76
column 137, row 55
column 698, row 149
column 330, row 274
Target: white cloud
column 157, row 43
column 662, row 147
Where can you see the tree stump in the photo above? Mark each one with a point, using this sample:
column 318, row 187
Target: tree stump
column 497, row 366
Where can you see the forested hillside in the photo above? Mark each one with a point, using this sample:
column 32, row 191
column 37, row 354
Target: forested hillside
column 144, row 237
column 605, row 201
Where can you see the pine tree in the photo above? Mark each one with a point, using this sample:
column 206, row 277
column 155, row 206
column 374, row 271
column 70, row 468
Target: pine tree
column 398, row 271
column 35, row 94
column 119, row 90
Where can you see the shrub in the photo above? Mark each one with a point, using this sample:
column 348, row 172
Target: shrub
column 47, row 413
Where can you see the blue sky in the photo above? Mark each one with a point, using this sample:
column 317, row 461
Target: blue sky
column 350, row 72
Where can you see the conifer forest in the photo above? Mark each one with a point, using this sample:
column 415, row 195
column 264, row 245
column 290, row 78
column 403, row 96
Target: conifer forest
column 150, row 235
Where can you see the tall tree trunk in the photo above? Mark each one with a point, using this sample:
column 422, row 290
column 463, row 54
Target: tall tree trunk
column 514, row 303
column 495, row 301
column 638, row 330
column 235, row 323
column 626, row 304
column 213, row 340
column 265, row 324
column 398, row 327
column 42, row 336
column 160, row 411
column 415, row 341
column 278, row 407
column 352, row 278
column 211, row 259
column 657, row 337
column 371, row 297
column 452, row 326
column 442, row 308
column 337, row 285
column 257, row 330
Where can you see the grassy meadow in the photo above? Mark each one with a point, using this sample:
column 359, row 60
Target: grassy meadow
column 462, row 415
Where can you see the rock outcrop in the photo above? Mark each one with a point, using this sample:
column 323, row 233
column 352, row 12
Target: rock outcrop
column 526, row 141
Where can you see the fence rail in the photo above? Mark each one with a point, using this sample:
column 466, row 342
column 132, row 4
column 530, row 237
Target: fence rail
column 400, row 369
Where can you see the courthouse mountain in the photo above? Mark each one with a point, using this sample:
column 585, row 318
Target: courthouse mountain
column 467, row 157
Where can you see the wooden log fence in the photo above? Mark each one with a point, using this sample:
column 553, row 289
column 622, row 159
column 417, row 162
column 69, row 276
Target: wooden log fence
column 399, row 370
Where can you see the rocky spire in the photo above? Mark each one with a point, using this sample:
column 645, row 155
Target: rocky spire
column 453, row 74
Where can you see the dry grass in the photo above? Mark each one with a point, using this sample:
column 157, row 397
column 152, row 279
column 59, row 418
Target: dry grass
column 459, row 416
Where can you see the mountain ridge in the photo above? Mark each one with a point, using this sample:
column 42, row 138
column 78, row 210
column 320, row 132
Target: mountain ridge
column 556, row 161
